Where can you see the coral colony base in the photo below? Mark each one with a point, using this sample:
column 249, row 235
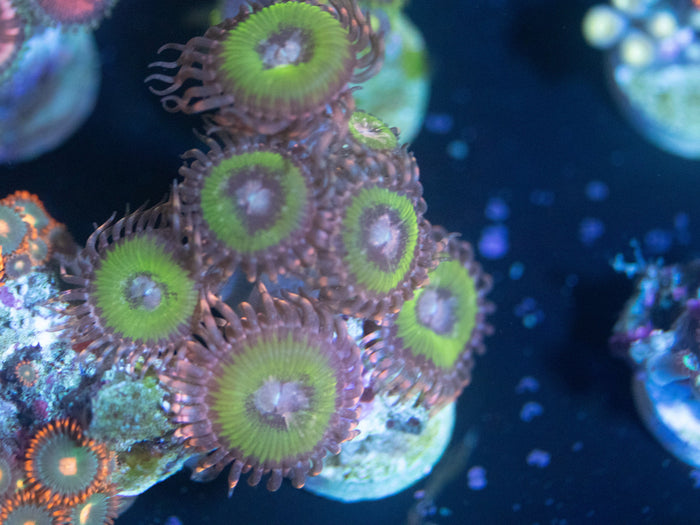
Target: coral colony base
column 653, row 67
column 46, row 50
column 339, row 359
column 657, row 333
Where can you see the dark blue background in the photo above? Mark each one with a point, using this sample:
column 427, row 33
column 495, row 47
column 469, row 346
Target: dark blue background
column 530, row 99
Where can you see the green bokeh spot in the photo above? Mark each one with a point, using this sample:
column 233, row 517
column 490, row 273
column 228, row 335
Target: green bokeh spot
column 143, row 256
column 366, row 272
column 280, row 357
column 227, row 219
column 442, row 349
column 302, row 84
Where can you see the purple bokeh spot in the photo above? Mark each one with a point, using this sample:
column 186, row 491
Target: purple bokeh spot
column 543, row 198
column 527, row 384
column 657, row 241
column 476, row 478
column 538, row 458
column 440, row 123
column 497, row 209
column 530, row 411
column 597, row 191
column 494, row 242
column 590, row 230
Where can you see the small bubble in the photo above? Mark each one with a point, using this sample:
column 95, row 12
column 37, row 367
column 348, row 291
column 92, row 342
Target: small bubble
column 542, row 197
column 538, row 458
column 429, row 511
column 458, row 149
column 494, row 242
column 597, row 191
column 527, row 384
column 590, row 230
column 439, row 123
column 497, row 209
column 533, row 319
column 528, row 311
column 657, row 241
column 476, row 478
column 530, row 411
column 681, row 221
column 527, row 305
column 516, row 270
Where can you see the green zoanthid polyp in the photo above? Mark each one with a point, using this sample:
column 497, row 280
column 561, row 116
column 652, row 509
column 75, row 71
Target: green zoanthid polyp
column 273, row 68
column 142, row 293
column 252, row 201
column 380, row 236
column 371, row 131
column 275, row 397
column 289, row 56
column 438, row 322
